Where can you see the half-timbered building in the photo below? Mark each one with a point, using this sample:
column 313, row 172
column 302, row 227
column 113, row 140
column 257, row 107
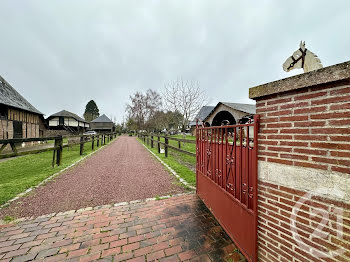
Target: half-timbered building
column 18, row 118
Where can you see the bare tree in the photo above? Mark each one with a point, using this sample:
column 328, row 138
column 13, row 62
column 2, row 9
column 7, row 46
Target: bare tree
column 185, row 97
column 142, row 107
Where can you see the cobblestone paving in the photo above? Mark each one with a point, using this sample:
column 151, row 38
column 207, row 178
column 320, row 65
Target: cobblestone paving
column 180, row 228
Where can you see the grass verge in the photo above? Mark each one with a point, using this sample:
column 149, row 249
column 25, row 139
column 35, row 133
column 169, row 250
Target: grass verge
column 180, row 162
column 19, row 174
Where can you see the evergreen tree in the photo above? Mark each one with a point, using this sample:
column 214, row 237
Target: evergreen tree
column 91, row 111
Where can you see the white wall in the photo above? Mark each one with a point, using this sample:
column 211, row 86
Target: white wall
column 53, row 121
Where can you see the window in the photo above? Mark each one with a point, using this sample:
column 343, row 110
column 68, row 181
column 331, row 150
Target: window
column 3, row 111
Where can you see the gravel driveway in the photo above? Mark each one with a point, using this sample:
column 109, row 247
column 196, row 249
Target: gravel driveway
column 122, row 171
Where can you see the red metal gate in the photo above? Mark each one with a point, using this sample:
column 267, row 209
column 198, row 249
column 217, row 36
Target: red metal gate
column 227, row 180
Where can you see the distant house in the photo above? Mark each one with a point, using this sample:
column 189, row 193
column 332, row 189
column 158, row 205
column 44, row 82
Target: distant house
column 65, row 120
column 229, row 113
column 18, row 118
column 102, row 124
column 202, row 114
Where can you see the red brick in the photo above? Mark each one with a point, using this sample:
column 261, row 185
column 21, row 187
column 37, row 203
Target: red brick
column 278, row 125
column 340, row 106
column 111, row 251
column 137, row 259
column 119, row 243
column 310, row 96
column 280, row 149
column 136, row 239
column 280, row 113
column 131, row 247
column 17, row 252
column 143, row 251
column 280, row 161
column 341, row 169
column 280, row 137
column 331, row 100
column 109, row 239
column 9, row 248
column 71, row 247
column 295, row 131
column 310, row 151
column 155, row 255
column 279, row 101
column 294, row 156
column 77, row 253
column 310, row 110
column 294, row 105
column 94, row 249
column 187, row 255
column 309, row 123
column 341, row 122
column 173, row 250
column 331, row 146
column 161, row 245
column 123, row 256
column 340, row 138
column 341, row 91
column 294, row 118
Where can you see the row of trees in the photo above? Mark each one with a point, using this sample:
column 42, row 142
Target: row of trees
column 180, row 102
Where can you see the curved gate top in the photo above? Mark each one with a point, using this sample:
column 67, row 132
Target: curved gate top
column 227, row 180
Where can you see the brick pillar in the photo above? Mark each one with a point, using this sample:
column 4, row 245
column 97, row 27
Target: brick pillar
column 304, row 163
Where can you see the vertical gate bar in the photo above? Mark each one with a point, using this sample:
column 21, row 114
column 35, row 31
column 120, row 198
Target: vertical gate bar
column 234, row 168
column 226, row 159
column 247, row 169
column 222, row 156
column 255, row 190
column 241, row 162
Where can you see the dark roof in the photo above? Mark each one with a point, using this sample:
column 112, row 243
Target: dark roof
column 66, row 113
column 204, row 112
column 102, row 119
column 247, row 108
column 10, row 97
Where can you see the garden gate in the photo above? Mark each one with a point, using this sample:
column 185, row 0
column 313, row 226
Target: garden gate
column 227, row 180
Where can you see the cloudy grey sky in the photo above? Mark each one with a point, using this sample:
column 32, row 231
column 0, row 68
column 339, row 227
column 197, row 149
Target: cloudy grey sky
column 59, row 54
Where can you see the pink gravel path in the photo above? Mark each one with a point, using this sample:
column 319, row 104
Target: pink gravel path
column 122, row 171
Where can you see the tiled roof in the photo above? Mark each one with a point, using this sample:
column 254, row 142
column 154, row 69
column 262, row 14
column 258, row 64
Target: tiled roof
column 66, row 113
column 10, row 97
column 102, row 119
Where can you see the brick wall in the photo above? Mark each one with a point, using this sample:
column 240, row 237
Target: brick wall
column 307, row 128
column 304, row 166
column 276, row 226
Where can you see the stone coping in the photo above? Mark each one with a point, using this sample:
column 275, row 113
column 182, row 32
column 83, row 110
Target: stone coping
column 324, row 75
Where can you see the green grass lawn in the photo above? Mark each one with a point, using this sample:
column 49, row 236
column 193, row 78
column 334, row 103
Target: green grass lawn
column 184, row 165
column 21, row 173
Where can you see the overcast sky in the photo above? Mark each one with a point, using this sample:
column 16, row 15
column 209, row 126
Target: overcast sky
column 60, row 54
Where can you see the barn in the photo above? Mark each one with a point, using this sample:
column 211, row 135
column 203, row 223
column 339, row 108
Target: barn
column 102, row 124
column 18, row 118
column 234, row 113
column 65, row 120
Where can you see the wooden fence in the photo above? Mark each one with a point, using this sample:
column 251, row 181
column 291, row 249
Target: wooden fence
column 58, row 146
column 149, row 139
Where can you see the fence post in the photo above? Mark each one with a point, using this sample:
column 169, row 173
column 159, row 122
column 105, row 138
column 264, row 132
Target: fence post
column 59, row 150
column 151, row 141
column 98, row 141
column 166, row 146
column 93, row 143
column 81, row 145
column 54, row 153
column 158, row 144
column 179, row 144
column 104, row 139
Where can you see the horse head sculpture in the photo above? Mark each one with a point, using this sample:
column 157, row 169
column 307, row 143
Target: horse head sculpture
column 302, row 58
